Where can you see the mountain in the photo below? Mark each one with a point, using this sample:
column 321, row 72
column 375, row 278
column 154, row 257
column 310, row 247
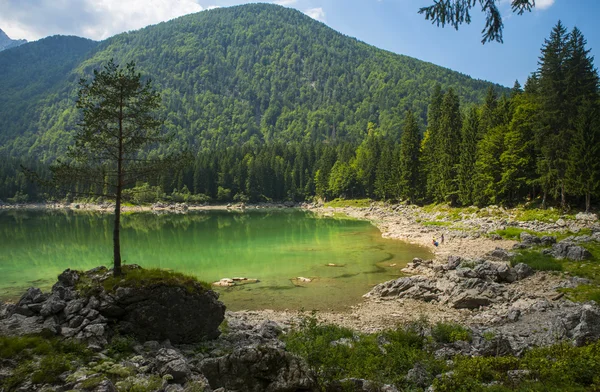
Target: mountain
column 228, row 76
column 7, row 43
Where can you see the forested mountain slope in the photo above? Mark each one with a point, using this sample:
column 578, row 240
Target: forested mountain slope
column 246, row 74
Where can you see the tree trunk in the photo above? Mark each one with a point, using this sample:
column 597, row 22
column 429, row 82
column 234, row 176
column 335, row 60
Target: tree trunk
column 544, row 200
column 116, row 233
column 563, row 196
column 588, row 200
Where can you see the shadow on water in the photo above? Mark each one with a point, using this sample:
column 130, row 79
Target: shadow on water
column 345, row 276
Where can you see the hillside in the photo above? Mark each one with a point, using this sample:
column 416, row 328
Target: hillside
column 246, row 74
column 7, row 43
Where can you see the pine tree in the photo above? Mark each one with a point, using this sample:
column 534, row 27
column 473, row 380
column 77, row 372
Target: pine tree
column 517, row 159
column 429, row 146
column 489, row 112
column 468, row 155
column 409, row 172
column 552, row 136
column 583, row 172
column 448, row 149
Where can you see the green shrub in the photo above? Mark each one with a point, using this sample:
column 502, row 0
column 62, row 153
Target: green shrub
column 336, row 353
column 450, row 333
column 49, row 368
column 537, row 261
column 121, row 346
column 512, row 233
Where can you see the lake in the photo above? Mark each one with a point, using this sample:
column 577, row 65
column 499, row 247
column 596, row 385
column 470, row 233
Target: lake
column 274, row 246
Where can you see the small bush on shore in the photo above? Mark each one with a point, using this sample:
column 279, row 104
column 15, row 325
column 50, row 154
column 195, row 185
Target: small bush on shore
column 340, row 203
column 450, row 333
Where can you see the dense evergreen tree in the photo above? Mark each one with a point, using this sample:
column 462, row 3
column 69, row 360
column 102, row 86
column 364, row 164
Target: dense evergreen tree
column 468, row 154
column 583, row 172
column 410, row 181
column 448, row 149
column 553, row 133
column 431, row 142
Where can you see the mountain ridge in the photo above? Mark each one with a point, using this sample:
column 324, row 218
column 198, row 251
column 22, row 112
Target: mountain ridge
column 245, row 74
column 6, row 42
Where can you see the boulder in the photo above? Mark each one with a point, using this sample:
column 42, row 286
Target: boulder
column 499, row 254
column 168, row 312
column 487, row 271
column 568, row 250
column 171, row 362
column 530, row 239
column 588, row 328
column 548, row 240
column 587, row 217
column 523, row 271
column 258, row 369
column 453, row 262
column 469, row 299
column 506, row 273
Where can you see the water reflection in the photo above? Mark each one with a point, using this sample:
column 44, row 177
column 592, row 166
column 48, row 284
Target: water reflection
column 273, row 246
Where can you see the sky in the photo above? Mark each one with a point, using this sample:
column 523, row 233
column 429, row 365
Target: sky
column 392, row 25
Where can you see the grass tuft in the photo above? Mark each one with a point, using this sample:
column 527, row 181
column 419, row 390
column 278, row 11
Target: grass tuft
column 144, row 277
column 340, row 203
column 537, row 261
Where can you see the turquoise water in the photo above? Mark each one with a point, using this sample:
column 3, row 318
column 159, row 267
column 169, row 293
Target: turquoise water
column 273, row 246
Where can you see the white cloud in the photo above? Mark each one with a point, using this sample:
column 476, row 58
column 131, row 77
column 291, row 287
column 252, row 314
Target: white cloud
column 285, row 2
column 96, row 19
column 316, row 13
column 543, row 4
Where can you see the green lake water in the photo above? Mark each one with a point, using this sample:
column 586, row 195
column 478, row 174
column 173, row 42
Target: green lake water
column 272, row 246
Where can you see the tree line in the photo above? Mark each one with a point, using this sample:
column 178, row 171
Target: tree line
column 537, row 142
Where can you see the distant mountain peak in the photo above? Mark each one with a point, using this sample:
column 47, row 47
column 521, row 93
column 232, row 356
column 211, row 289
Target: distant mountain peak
column 6, row 42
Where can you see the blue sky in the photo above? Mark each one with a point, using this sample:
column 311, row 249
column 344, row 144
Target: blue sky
column 393, row 25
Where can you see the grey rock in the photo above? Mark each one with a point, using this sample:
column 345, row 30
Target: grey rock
column 517, row 376
column 500, row 254
column 588, row 217
column 269, row 329
column 52, row 305
column 523, row 271
column 487, row 271
column 95, row 330
column 178, row 369
column 105, row 386
column 588, row 328
column 74, row 306
column 466, row 272
column 548, row 240
column 529, row 239
column 19, row 325
column 32, row 295
column 506, row 273
column 453, row 262
column 419, row 376
column 568, row 250
column 513, row 315
column 258, row 369
column 68, row 278
column 171, row 312
column 469, row 299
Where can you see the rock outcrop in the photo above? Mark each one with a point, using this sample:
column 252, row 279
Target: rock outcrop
column 155, row 312
column 461, row 284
